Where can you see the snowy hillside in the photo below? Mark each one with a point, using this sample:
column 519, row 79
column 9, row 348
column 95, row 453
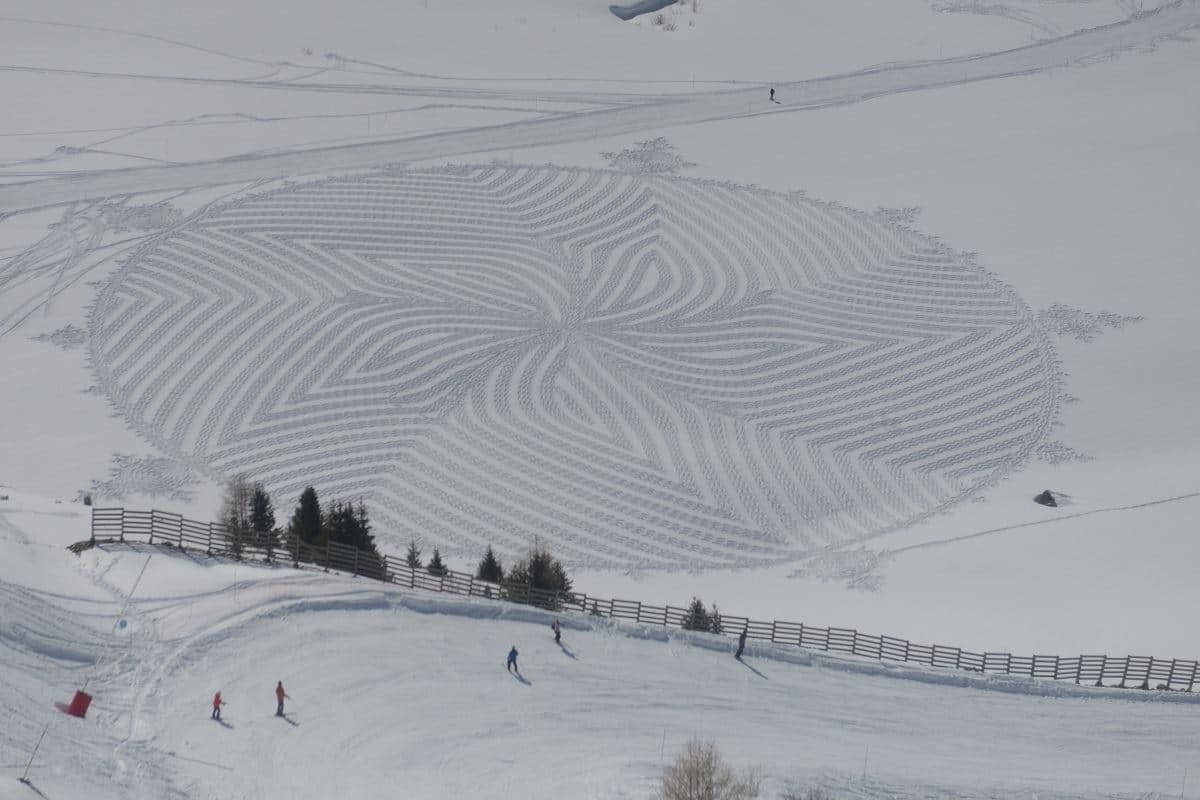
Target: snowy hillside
column 397, row 692
column 793, row 307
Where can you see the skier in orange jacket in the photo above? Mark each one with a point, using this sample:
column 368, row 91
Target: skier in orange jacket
column 217, row 703
column 280, row 695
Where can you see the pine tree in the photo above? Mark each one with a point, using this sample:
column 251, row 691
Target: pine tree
column 262, row 521
column 413, row 556
column 697, row 618
column 306, row 525
column 714, row 621
column 436, row 567
column 489, row 567
column 374, row 565
column 540, row 572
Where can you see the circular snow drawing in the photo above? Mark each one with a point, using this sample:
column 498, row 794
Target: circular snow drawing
column 638, row 371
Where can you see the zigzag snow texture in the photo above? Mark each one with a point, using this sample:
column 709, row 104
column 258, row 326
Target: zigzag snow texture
column 638, row 370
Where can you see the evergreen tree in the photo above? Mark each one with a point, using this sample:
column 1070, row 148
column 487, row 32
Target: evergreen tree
column 539, row 572
column 262, row 521
column 697, row 618
column 714, row 621
column 436, row 567
column 489, row 567
column 306, row 521
column 413, row 556
column 375, row 565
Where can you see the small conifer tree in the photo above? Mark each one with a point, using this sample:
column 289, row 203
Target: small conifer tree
column 489, row 567
column 436, row 567
column 262, row 521
column 714, row 621
column 413, row 556
column 697, row 618
column 306, row 524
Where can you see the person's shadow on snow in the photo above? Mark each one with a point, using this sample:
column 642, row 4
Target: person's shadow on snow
column 752, row 669
column 521, row 678
column 223, row 723
column 290, row 721
column 567, row 652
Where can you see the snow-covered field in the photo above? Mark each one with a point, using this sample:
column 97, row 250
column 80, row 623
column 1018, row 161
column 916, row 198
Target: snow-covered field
column 398, row 693
column 524, row 270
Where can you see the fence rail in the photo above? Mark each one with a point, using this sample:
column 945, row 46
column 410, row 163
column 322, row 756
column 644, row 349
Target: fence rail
column 171, row 530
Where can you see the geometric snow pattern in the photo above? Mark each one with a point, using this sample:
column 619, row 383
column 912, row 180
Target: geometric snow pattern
column 644, row 371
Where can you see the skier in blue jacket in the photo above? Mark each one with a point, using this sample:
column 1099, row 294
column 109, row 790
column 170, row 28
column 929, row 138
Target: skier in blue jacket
column 512, row 660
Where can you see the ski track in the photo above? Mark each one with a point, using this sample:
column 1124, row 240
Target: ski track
column 650, row 371
column 1140, row 30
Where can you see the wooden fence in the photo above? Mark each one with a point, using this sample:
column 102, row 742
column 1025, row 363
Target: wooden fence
column 172, row 530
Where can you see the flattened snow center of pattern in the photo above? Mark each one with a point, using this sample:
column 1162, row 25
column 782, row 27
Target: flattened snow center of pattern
column 641, row 371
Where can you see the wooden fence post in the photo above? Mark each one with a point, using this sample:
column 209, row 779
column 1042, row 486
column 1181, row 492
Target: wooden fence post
column 354, row 569
column 122, row 525
column 854, row 643
column 153, row 522
column 180, row 532
column 773, row 623
column 210, row 534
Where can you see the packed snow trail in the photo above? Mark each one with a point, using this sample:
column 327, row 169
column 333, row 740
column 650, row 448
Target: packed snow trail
column 429, row 711
column 1142, row 30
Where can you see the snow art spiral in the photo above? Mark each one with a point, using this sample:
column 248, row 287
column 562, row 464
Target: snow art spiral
column 640, row 371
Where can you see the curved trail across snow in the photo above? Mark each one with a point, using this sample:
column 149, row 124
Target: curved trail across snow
column 1138, row 31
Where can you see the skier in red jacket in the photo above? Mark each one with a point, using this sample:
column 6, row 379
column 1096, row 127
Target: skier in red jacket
column 217, row 703
column 280, row 695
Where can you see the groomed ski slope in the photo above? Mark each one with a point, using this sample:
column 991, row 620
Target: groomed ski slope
column 405, row 694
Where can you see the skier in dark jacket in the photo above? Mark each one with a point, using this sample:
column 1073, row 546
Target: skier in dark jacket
column 512, row 660
column 557, row 632
column 741, row 644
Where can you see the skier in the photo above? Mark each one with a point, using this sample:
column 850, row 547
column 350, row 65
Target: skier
column 512, row 660
column 741, row 644
column 772, row 94
column 217, row 703
column 280, row 695
column 557, row 632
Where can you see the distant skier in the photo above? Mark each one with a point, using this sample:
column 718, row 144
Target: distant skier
column 512, row 660
column 772, row 94
column 217, row 703
column 741, row 644
column 557, row 632
column 280, row 696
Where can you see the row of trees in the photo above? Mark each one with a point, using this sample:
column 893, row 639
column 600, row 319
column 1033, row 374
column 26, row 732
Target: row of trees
column 538, row 570
column 699, row 618
column 249, row 516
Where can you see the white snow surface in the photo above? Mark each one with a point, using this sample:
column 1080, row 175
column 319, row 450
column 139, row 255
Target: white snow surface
column 525, row 270
column 397, row 692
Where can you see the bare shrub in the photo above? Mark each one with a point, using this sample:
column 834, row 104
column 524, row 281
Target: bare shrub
column 700, row 773
column 660, row 19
